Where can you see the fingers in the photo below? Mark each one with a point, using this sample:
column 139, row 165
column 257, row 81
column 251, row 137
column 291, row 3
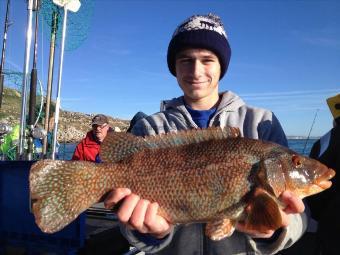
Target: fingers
column 142, row 216
column 138, row 214
column 293, row 203
column 151, row 215
column 137, row 219
column 128, row 207
column 115, row 196
column 157, row 225
column 254, row 233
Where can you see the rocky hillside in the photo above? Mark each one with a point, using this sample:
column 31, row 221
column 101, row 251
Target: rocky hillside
column 72, row 126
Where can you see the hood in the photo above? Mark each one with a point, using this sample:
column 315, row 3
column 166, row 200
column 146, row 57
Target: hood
column 230, row 102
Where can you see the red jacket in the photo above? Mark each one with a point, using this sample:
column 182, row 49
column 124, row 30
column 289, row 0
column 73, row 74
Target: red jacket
column 87, row 149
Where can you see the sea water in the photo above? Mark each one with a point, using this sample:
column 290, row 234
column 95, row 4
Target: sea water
column 301, row 146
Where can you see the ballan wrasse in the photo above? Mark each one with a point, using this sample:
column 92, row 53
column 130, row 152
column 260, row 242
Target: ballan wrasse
column 206, row 175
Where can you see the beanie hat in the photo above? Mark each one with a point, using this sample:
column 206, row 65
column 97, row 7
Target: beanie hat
column 200, row 31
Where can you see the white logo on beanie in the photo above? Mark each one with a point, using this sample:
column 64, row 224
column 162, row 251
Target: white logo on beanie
column 197, row 22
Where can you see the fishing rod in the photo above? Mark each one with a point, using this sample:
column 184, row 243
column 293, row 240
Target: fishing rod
column 2, row 76
column 72, row 5
column 33, row 87
column 57, row 106
column 54, row 28
column 25, row 77
column 310, row 130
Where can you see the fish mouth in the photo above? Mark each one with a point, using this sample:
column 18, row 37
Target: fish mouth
column 324, row 180
column 325, row 184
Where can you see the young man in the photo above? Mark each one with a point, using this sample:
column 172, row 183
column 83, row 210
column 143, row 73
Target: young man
column 198, row 55
column 88, row 148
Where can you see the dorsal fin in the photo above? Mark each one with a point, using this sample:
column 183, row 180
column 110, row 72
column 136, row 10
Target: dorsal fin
column 191, row 136
column 117, row 146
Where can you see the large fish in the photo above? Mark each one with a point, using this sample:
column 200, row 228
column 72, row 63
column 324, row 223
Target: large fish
column 209, row 175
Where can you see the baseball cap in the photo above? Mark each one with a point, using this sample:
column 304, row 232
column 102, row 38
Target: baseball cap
column 99, row 119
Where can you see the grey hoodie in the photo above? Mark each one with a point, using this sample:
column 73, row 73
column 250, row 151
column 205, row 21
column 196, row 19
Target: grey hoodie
column 190, row 239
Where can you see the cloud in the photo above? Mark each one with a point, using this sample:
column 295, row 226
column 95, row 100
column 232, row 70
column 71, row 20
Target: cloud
column 105, row 43
column 324, row 38
column 73, row 99
column 296, row 93
column 298, row 100
column 111, row 49
column 15, row 65
column 79, row 80
column 254, row 66
column 323, row 41
column 120, row 52
column 153, row 74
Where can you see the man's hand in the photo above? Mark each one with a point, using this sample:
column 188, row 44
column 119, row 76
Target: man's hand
column 293, row 205
column 137, row 213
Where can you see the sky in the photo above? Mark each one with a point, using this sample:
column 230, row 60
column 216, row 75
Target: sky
column 285, row 56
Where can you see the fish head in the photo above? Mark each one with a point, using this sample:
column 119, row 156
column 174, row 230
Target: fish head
column 302, row 175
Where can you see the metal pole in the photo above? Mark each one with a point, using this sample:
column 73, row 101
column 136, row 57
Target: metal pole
column 2, row 76
column 24, row 81
column 57, row 107
column 54, row 29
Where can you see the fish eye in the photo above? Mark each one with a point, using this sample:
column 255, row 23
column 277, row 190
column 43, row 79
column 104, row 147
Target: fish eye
column 297, row 161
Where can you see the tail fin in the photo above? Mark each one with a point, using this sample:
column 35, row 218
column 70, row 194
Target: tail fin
column 61, row 190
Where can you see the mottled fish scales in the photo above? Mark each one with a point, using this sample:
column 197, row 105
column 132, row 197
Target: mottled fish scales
column 207, row 175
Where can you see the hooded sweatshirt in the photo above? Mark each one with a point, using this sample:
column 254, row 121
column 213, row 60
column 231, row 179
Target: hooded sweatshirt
column 253, row 122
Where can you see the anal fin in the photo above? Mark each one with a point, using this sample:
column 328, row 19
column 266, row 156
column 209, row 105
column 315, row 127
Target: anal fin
column 217, row 230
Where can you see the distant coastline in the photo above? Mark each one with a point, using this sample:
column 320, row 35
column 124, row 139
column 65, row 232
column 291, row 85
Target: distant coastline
column 72, row 125
column 299, row 137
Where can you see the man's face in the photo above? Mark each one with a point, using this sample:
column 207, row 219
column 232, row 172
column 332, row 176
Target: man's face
column 100, row 131
column 198, row 72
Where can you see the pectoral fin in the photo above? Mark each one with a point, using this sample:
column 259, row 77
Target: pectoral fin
column 219, row 229
column 263, row 212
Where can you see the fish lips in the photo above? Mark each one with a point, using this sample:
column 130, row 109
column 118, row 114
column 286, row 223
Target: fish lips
column 324, row 180
column 318, row 185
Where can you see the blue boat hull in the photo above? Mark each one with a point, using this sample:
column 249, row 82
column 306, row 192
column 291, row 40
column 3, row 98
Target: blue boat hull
column 17, row 225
